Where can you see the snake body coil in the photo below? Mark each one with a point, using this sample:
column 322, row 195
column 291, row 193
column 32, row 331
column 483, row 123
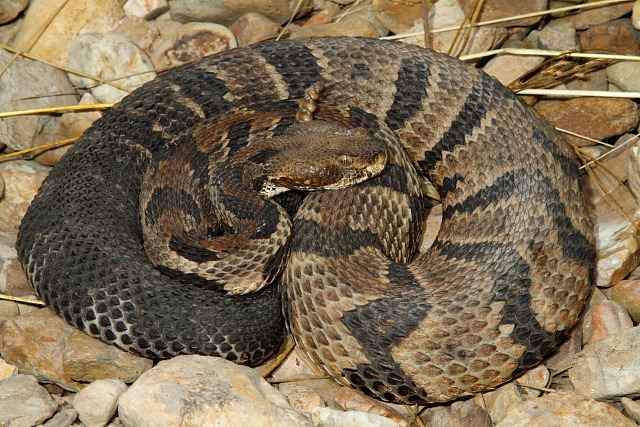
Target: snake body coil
column 500, row 288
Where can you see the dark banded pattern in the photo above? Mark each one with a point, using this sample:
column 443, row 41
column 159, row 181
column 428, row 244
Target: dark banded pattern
column 498, row 289
column 407, row 100
column 501, row 286
column 469, row 117
column 298, row 68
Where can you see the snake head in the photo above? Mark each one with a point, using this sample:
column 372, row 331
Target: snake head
column 322, row 155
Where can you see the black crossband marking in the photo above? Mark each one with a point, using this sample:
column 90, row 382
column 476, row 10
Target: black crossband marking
column 297, row 66
column 413, row 77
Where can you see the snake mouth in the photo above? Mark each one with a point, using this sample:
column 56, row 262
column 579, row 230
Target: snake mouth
column 365, row 169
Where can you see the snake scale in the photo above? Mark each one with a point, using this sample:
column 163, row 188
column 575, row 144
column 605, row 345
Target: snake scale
column 500, row 288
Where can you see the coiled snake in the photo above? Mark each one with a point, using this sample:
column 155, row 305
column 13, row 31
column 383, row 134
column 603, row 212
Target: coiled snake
column 499, row 289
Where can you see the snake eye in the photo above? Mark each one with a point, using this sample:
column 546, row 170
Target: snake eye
column 345, row 161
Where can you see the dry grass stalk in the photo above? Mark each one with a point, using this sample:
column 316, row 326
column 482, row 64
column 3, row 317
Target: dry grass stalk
column 554, row 71
column 19, row 300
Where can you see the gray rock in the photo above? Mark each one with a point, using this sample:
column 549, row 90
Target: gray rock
column 617, row 242
column 608, row 317
column 561, row 39
column 50, row 156
column 397, row 16
column 97, row 403
column 24, row 402
column 111, row 57
column 226, row 12
column 302, row 397
column 199, row 390
column 328, row 417
column 632, row 408
column 463, row 413
column 26, row 85
column 508, row 68
column 350, row 26
column 593, row 80
column 594, row 117
column 565, row 409
column 533, row 380
column 44, row 345
column 252, row 28
column 627, row 292
column 147, row 9
column 625, row 75
column 351, row 400
column 55, row 37
column 63, row 418
column 610, row 367
column 35, row 343
column 9, row 9
column 500, row 401
column 13, row 281
column 140, row 31
column 448, row 13
column 8, row 31
column 88, row 359
column 7, row 370
column 593, row 16
column 496, row 9
column 563, row 356
column 191, row 42
column 22, row 181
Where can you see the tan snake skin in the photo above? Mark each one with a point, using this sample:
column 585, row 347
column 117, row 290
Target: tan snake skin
column 500, row 288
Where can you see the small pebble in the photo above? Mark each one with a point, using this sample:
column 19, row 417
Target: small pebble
column 96, row 404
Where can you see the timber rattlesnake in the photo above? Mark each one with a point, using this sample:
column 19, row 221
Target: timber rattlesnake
column 501, row 286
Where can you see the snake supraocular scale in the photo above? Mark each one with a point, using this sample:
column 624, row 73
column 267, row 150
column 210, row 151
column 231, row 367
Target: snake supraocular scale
column 501, row 286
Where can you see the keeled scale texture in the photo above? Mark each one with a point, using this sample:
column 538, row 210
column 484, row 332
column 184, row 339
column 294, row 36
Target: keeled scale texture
column 501, row 286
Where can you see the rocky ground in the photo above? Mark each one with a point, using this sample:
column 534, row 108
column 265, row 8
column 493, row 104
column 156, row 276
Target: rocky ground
column 96, row 51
